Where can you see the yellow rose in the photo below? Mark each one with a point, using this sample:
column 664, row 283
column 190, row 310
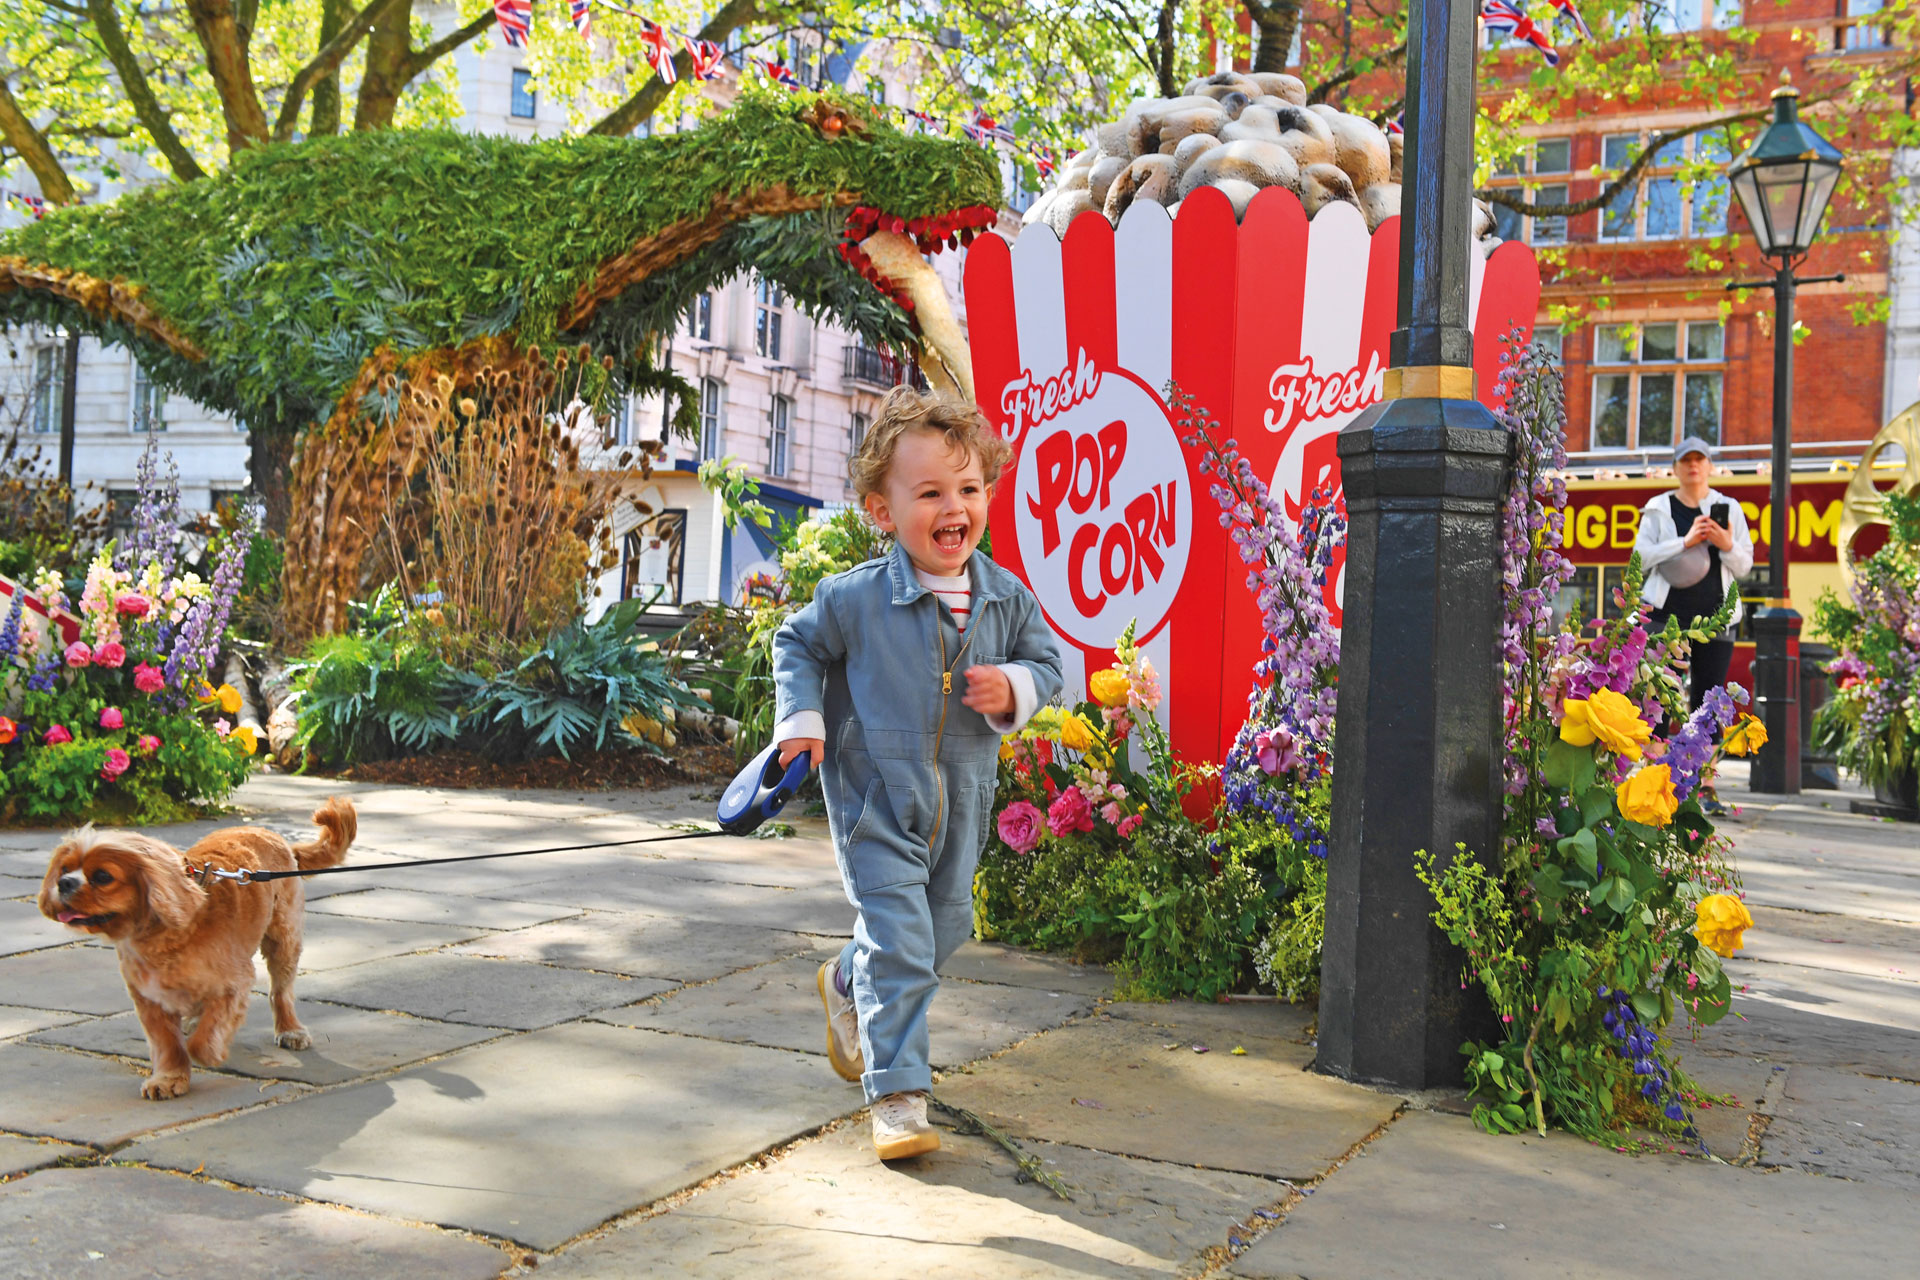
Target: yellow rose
column 1608, row 718
column 1007, row 748
column 1746, row 736
column 1109, row 687
column 229, row 699
column 1647, row 796
column 1075, row 733
column 246, row 737
column 1719, row 921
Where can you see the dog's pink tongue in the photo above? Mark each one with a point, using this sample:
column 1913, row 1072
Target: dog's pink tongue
column 68, row 917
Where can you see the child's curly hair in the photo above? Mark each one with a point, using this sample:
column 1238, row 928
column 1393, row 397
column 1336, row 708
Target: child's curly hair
column 904, row 410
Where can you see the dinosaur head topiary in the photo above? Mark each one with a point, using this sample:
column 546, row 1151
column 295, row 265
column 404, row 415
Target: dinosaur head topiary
column 264, row 291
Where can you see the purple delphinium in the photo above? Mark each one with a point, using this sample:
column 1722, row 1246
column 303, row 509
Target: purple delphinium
column 1296, row 689
column 1692, row 745
column 10, row 631
column 198, row 644
column 46, row 672
column 156, row 514
column 1639, row 1047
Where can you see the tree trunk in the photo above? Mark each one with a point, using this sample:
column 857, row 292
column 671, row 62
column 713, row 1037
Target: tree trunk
column 1164, row 52
column 626, row 117
column 389, row 68
column 326, row 94
column 146, row 108
column 1277, row 20
column 226, row 49
column 31, row 145
column 269, row 465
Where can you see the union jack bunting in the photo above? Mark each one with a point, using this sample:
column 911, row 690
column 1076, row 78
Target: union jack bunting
column 779, row 72
column 1569, row 9
column 1396, row 127
column 657, row 43
column 516, row 21
column 984, row 129
column 582, row 17
column 1507, row 18
column 33, row 204
column 922, row 121
column 1043, row 163
column 706, row 57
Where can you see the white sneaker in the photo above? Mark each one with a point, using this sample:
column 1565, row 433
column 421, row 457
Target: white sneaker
column 843, row 1027
column 900, row 1127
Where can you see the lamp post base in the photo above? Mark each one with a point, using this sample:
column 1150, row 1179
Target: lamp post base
column 1776, row 700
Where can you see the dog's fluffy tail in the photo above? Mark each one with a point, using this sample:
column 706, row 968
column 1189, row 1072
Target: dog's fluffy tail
column 338, row 825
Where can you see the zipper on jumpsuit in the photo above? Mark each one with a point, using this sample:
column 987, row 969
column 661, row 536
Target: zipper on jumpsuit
column 946, row 691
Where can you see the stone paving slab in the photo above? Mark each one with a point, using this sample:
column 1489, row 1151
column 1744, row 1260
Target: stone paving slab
column 347, row 1043
column 830, row 1209
column 84, row 979
column 1112, row 1084
column 778, row 1005
column 536, row 1138
column 424, row 907
column 822, row 911
column 23, row 928
column 1780, row 1034
column 1847, row 1126
column 336, row 941
column 17, row 1155
column 1208, row 1021
column 1870, row 1001
column 16, row 1021
column 487, row 993
column 642, row 946
column 1836, row 954
column 1752, row 1087
column 56, row 1094
column 136, row 1224
column 1839, row 890
column 1433, row 1196
column 991, row 962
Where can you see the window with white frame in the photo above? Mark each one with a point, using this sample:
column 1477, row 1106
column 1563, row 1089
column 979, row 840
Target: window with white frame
column 1681, row 193
column 857, row 426
column 48, row 387
column 1550, row 339
column 525, row 102
column 1860, row 31
column 619, row 424
column 1680, row 17
column 712, row 393
column 1657, row 383
column 800, row 56
column 1546, row 158
column 779, row 436
column 700, row 318
column 149, row 409
column 768, row 304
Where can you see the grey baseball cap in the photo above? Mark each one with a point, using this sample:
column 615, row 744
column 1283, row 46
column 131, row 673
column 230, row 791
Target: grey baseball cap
column 1693, row 444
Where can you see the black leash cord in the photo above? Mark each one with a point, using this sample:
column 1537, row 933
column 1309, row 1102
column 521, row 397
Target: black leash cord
column 254, row 877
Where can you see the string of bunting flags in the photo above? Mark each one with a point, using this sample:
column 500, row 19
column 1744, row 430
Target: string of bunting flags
column 33, row 204
column 660, row 43
column 1509, row 18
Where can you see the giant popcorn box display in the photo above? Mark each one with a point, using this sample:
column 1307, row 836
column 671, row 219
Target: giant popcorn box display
column 1277, row 326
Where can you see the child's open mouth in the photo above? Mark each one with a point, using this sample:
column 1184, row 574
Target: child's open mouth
column 950, row 537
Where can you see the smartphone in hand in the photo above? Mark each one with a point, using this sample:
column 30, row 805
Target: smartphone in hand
column 1719, row 514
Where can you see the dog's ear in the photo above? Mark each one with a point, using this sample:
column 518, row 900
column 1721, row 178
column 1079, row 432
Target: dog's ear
column 172, row 899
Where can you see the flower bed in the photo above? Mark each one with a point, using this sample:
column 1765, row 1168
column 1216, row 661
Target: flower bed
column 121, row 724
column 1871, row 724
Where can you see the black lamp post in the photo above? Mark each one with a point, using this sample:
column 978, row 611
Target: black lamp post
column 1783, row 183
column 1419, row 733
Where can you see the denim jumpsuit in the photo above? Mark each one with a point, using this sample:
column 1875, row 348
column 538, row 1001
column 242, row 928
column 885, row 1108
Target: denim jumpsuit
column 909, row 774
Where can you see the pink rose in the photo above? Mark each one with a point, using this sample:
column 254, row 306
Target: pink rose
column 111, row 654
column 78, row 655
column 1020, row 826
column 1069, row 813
column 148, row 744
column 116, row 764
column 1131, row 825
column 57, row 735
column 134, row 605
column 149, row 679
column 1111, row 812
column 112, row 719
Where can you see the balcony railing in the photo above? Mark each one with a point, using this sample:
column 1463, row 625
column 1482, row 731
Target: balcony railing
column 878, row 369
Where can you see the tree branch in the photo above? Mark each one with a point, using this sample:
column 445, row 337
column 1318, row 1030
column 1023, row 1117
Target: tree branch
column 325, row 62
column 430, row 54
column 219, row 30
column 1353, row 70
column 146, row 107
column 1164, row 53
column 32, row 147
column 326, row 94
column 1510, row 198
column 1277, row 22
column 626, row 117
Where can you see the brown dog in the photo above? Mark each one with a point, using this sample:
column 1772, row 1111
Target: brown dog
column 186, row 949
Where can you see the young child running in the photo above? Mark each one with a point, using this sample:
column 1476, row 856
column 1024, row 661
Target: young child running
column 899, row 679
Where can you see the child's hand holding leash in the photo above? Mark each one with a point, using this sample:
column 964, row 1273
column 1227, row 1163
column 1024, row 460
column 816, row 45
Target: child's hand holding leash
column 989, row 691
column 814, row 747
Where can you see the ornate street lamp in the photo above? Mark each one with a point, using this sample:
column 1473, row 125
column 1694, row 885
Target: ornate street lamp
column 1783, row 183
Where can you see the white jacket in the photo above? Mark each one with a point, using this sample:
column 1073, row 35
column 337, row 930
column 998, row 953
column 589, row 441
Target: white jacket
column 1658, row 542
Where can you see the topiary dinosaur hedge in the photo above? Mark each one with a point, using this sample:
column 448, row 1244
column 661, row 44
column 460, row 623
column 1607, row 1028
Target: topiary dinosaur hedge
column 286, row 290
